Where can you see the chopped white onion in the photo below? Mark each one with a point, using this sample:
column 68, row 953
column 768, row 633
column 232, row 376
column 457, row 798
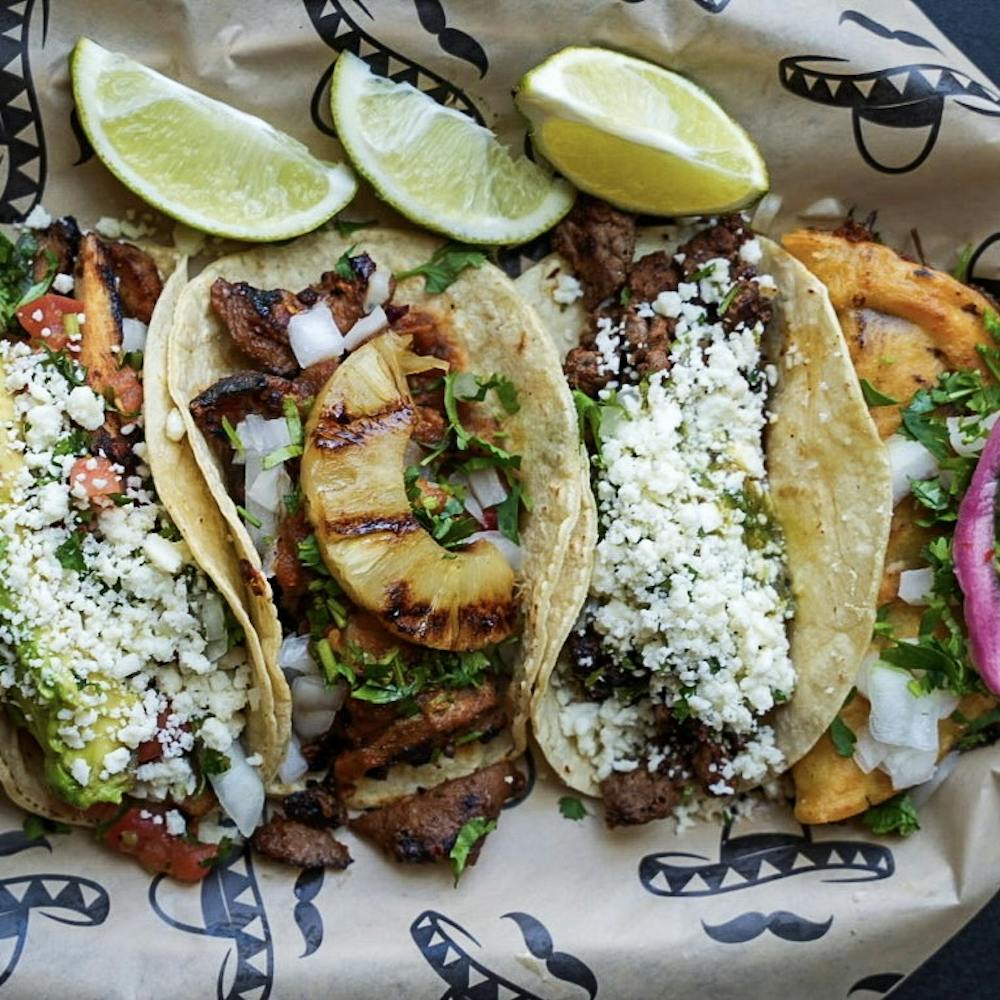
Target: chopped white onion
column 379, row 286
column 915, row 586
column 909, row 460
column 240, row 790
column 766, row 212
column 270, row 488
column 314, row 705
column 294, row 766
column 294, row 658
column 487, row 486
column 900, row 717
column 472, row 506
column 365, row 328
column 829, row 209
column 868, row 752
column 133, row 335
column 957, row 437
column 313, row 335
column 928, row 788
column 268, row 526
column 511, row 552
column 907, row 767
column 262, row 436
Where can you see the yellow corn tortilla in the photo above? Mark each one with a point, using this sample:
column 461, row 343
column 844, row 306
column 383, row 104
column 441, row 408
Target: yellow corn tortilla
column 501, row 335
column 831, row 491
column 183, row 493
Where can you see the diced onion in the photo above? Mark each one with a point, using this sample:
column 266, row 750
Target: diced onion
column 900, row 717
column 262, row 436
column 487, row 486
column 379, row 286
column 133, row 335
column 472, row 506
column 294, row 658
column 365, row 328
column 294, row 766
column 511, row 552
column 766, row 212
column 313, row 335
column 909, row 460
column 915, row 586
column 240, row 790
column 314, row 705
column 907, row 767
column 269, row 488
column 958, row 439
column 268, row 526
column 828, row 209
column 928, row 788
column 868, row 752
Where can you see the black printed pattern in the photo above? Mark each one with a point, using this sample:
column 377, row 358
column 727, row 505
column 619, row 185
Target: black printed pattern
column 445, row 946
column 232, row 909
column 781, row 923
column 341, row 31
column 67, row 899
column 307, row 918
column 879, row 983
column 24, row 160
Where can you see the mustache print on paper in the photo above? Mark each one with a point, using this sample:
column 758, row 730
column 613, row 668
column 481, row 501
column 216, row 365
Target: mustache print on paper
column 782, row 924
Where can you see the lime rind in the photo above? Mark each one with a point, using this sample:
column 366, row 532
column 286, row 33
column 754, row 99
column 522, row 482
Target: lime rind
column 436, row 166
column 119, row 98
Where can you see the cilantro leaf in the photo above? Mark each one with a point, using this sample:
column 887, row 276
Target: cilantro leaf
column 214, row 762
column 508, row 513
column 332, row 666
column 961, row 269
column 309, row 554
column 470, row 835
column 843, row 737
column 343, row 266
column 898, row 815
column 234, row 439
column 70, row 553
column 444, row 267
column 572, row 808
column 250, row 519
column 17, row 275
column 873, row 397
column 36, row 827
column 281, row 455
column 346, row 227
column 728, row 299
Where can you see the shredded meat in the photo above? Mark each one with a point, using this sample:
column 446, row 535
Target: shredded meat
column 316, row 806
column 138, row 279
column 598, row 242
column 442, row 715
column 638, row 796
column 295, row 843
column 290, row 574
column 648, row 276
column 424, row 826
column 61, row 240
column 257, row 320
column 234, row 396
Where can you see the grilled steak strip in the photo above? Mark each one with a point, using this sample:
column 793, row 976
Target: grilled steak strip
column 635, row 797
column 235, row 396
column 424, row 826
column 61, row 239
column 137, row 278
column 257, row 320
column 295, row 843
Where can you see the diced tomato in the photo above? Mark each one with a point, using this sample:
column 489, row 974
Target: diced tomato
column 97, row 477
column 127, row 388
column 43, row 319
column 153, row 749
column 156, row 850
column 490, row 519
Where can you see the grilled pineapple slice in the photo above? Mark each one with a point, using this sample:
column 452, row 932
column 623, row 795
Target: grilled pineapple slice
column 370, row 540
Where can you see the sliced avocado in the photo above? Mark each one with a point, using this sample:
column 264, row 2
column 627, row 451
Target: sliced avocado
column 54, row 686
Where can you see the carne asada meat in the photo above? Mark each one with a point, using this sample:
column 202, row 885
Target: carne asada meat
column 635, row 797
column 598, row 242
column 59, row 240
column 344, row 296
column 313, row 378
column 258, row 321
column 138, row 279
column 424, row 826
column 289, row 572
column 648, row 276
column 721, row 240
column 316, row 806
column 295, row 843
column 235, row 396
column 585, row 370
column 442, row 715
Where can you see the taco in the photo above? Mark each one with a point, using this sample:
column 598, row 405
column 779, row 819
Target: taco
column 396, row 457
column 741, row 501
column 135, row 695
column 925, row 346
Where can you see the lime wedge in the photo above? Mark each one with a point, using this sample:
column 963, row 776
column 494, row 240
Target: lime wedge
column 197, row 159
column 638, row 135
column 437, row 166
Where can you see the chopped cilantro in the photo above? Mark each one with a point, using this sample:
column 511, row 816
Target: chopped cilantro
column 728, row 300
column 469, row 737
column 234, row 439
column 873, row 397
column 625, row 295
column 293, row 499
column 325, row 607
column 74, row 443
column 290, row 408
column 280, row 455
column 441, row 511
column 444, row 267
column 343, row 266
column 332, row 666
column 470, row 834
column 250, row 519
column 70, row 553
column 223, row 850
column 508, row 511
column 17, row 268
column 898, row 815
column 961, row 269
column 843, row 737
column 63, row 364
column 346, row 227
column 36, row 827
column 214, row 762
column 309, row 554
column 983, row 729
column 133, row 359
column 572, row 808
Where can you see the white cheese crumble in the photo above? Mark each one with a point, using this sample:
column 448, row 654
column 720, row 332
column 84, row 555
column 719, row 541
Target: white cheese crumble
column 566, row 289
column 63, row 284
column 102, row 607
column 689, row 576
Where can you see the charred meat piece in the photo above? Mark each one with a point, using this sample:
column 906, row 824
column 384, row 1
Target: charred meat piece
column 747, row 306
column 442, row 715
column 109, row 441
column 139, row 283
column 234, row 396
column 424, row 826
column 59, row 240
column 647, row 342
column 721, row 240
column 290, row 574
column 257, row 320
column 648, row 276
column 598, row 242
column 585, row 370
column 430, row 426
column 295, row 843
column 313, row 378
column 638, row 796
column 344, row 296
column 316, row 806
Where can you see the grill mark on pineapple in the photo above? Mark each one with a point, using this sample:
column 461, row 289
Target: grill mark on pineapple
column 483, row 622
column 337, row 428
column 412, row 618
column 361, row 524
